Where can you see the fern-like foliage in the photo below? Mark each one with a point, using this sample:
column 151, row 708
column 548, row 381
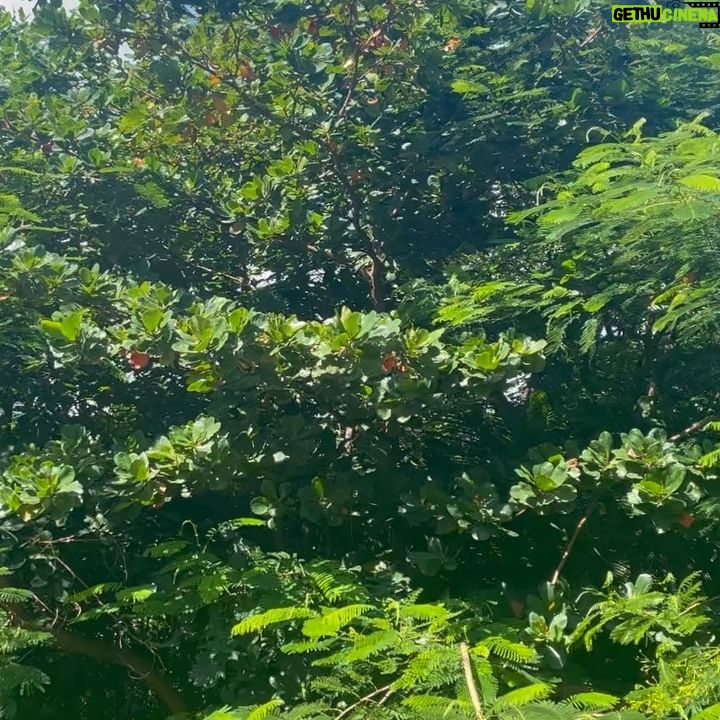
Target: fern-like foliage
column 332, row 621
column 432, row 707
column 266, row 710
column 261, row 621
column 400, row 659
column 18, row 678
column 523, row 696
column 684, row 684
column 9, row 595
column 638, row 611
column 712, row 457
column 513, row 652
column 363, row 647
column 433, row 669
column 336, row 585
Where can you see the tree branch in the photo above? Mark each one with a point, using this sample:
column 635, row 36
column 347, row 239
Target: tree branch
column 352, row 84
column 105, row 652
column 240, row 281
column 470, row 681
column 571, row 544
column 108, row 653
column 690, row 429
column 387, row 689
column 591, row 36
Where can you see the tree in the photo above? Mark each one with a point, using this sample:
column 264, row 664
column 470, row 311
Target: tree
column 358, row 363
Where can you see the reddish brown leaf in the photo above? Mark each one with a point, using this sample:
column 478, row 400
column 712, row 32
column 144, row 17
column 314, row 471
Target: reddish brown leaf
column 686, row 520
column 245, row 72
column 389, row 362
column 138, row 360
column 452, row 44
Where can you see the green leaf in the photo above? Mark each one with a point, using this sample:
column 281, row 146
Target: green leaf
column 705, row 183
column 262, row 712
column 351, row 322
column 709, row 713
column 593, row 701
column 152, row 318
column 260, row 506
column 248, row 522
column 261, row 621
column 523, row 696
column 67, row 329
column 465, row 87
column 332, row 621
column 136, row 594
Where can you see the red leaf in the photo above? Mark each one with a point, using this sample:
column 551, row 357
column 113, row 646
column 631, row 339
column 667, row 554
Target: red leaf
column 686, row 520
column 138, row 360
column 389, row 362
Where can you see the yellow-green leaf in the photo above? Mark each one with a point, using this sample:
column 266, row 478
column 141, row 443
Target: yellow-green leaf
column 704, row 183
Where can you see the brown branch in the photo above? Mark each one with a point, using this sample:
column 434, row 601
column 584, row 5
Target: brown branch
column 108, row 653
column 470, row 681
column 571, row 544
column 102, row 651
column 352, row 84
column 592, row 35
column 234, row 278
column 387, row 689
column 690, row 429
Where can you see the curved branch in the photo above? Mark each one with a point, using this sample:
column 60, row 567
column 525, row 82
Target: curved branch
column 699, row 425
column 105, row 652
column 108, row 653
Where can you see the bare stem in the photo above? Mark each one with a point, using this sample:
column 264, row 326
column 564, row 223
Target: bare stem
column 690, row 429
column 569, row 547
column 387, row 689
column 591, row 36
column 470, row 681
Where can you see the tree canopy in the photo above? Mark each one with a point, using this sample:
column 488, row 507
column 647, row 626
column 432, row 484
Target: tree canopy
column 359, row 362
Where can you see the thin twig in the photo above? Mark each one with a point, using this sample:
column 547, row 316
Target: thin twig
column 470, row 682
column 386, row 697
column 352, row 84
column 690, row 429
column 387, row 689
column 574, row 537
column 593, row 34
column 234, row 278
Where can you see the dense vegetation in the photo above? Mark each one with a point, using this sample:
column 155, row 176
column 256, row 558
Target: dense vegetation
column 359, row 361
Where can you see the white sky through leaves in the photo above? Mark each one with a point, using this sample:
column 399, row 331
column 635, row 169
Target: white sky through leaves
column 27, row 5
